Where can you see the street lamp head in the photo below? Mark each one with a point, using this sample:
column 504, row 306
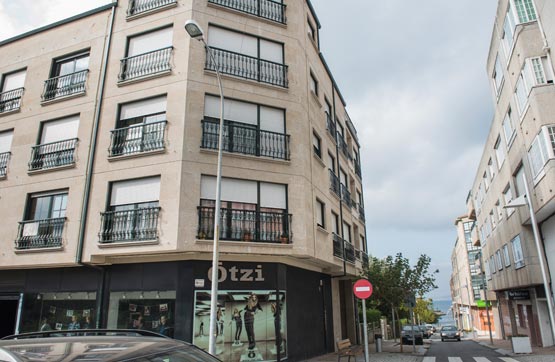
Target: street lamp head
column 193, row 29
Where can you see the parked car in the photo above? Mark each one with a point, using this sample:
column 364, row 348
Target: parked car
column 425, row 331
column 431, row 329
column 99, row 345
column 450, row 332
column 407, row 335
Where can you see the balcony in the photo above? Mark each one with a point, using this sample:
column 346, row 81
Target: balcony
column 358, row 171
column 4, row 158
column 142, row 6
column 11, row 100
column 247, row 67
column 129, row 225
column 65, row 85
column 334, row 183
column 343, row 147
column 245, row 139
column 331, row 127
column 144, row 137
column 365, row 260
column 343, row 249
column 267, row 9
column 142, row 65
column 361, row 212
column 346, row 196
column 246, row 225
column 55, row 154
column 39, row 234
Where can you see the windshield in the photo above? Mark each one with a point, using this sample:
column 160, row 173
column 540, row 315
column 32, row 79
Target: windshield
column 450, row 328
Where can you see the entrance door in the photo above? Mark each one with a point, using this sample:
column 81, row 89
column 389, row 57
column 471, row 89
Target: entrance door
column 8, row 317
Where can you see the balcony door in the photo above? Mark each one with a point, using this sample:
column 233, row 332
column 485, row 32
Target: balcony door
column 12, row 90
column 68, row 75
column 56, row 144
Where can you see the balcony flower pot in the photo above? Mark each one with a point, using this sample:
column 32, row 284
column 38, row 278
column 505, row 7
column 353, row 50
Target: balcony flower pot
column 521, row 344
column 247, row 236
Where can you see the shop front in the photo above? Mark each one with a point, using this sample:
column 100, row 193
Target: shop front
column 261, row 308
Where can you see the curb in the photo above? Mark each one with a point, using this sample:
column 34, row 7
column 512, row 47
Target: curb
column 498, row 350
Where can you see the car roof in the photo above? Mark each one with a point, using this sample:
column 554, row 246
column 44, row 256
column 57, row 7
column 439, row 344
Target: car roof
column 106, row 348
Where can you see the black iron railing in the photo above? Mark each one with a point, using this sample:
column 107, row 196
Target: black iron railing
column 141, row 6
column 53, row 154
column 343, row 249
column 330, row 126
column 343, row 146
column 361, row 212
column 365, row 260
column 349, row 252
column 346, row 196
column 246, row 225
column 65, row 85
column 138, row 138
column 267, row 9
column 245, row 139
column 36, row 234
column 337, row 246
column 357, row 169
column 11, row 100
column 156, row 61
column 247, row 67
column 334, row 183
column 129, row 225
column 4, row 158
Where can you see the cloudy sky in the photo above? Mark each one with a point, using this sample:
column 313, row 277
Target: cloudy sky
column 413, row 74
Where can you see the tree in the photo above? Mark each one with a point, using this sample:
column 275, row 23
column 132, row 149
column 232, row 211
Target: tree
column 424, row 311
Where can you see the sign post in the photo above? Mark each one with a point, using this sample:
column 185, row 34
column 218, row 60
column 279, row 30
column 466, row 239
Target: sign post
column 363, row 290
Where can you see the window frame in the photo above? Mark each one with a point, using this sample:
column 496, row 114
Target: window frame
column 518, row 253
column 316, row 148
column 321, row 213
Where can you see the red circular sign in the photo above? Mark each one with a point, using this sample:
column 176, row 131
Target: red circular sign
column 362, row 289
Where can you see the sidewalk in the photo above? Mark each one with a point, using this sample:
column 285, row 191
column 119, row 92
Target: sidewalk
column 504, row 346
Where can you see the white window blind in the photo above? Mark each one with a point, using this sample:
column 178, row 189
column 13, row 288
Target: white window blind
column 231, row 190
column 319, row 213
column 518, row 256
column 148, row 42
column 519, row 182
column 234, row 110
column 343, row 177
column 508, row 31
column 232, row 41
column 62, row 129
column 135, row 191
column 272, row 119
column 14, row 81
column 538, row 153
column 346, row 232
column 335, row 223
column 499, row 152
column 506, row 255
column 271, row 51
column 6, row 141
column 272, row 195
column 313, row 84
column 143, row 107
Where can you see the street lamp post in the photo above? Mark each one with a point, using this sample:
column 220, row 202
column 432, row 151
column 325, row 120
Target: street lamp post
column 526, row 201
column 195, row 31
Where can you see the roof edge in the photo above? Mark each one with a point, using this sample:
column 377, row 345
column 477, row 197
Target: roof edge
column 59, row 23
column 314, row 14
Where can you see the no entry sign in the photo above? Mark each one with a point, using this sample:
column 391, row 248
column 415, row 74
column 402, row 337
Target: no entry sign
column 362, row 289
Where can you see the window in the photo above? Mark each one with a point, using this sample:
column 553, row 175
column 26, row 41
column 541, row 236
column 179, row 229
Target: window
column 249, row 128
column 142, row 6
column 316, row 145
column 493, row 220
column 506, row 255
column 498, row 77
column 491, row 169
column 518, row 256
column 67, row 77
column 140, row 127
column 508, row 32
column 44, row 221
column 147, row 54
column 250, row 210
column 540, row 69
column 11, row 90
column 313, row 84
column 132, row 213
column 521, row 92
column 331, row 163
column 486, row 181
column 488, row 225
column 335, row 223
column 58, row 141
column 508, row 128
column 268, row 9
column 320, row 214
column 498, row 260
column 327, row 106
column 507, row 197
column 497, row 208
column 525, row 11
column 493, row 269
column 5, row 147
column 499, row 152
column 347, row 232
column 519, row 181
column 539, row 152
column 311, row 30
column 247, row 56
column 488, row 271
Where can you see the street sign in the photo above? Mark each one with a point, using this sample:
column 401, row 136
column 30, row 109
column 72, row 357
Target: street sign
column 362, row 289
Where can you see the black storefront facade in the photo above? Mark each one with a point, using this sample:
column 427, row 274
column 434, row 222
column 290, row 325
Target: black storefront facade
column 266, row 311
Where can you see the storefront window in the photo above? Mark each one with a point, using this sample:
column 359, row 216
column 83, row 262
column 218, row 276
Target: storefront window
column 148, row 310
column 60, row 311
column 251, row 324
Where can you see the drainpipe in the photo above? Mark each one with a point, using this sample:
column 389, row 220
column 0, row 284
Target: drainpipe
column 88, row 177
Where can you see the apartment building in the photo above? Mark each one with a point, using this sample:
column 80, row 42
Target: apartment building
column 519, row 153
column 471, row 301
column 108, row 141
